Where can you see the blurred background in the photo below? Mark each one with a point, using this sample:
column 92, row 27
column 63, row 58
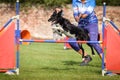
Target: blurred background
column 34, row 14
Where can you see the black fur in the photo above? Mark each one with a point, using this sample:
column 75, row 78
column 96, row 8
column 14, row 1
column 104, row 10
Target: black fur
column 80, row 33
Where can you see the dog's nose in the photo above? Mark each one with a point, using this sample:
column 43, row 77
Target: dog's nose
column 48, row 20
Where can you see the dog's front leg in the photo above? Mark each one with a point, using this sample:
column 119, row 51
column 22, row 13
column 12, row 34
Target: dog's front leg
column 59, row 31
column 58, row 28
column 69, row 34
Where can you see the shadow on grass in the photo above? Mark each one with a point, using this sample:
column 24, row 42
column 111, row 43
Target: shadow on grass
column 94, row 65
column 63, row 68
column 55, row 68
column 78, row 63
column 71, row 63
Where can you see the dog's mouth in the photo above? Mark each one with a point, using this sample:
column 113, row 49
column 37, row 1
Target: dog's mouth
column 52, row 22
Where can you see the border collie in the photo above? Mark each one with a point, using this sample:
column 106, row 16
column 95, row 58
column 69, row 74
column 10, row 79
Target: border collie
column 69, row 29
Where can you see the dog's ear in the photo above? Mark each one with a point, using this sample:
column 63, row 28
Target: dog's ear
column 60, row 13
column 55, row 12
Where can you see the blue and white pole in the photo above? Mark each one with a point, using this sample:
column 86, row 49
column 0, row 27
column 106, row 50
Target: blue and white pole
column 103, row 27
column 17, row 36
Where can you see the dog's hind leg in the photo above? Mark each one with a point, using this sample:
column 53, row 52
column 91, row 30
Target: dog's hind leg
column 98, row 37
column 92, row 49
column 83, row 52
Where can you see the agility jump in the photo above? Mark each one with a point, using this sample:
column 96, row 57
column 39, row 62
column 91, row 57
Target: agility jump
column 111, row 42
column 110, row 37
column 9, row 50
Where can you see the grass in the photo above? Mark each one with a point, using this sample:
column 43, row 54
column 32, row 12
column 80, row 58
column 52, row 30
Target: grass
column 46, row 61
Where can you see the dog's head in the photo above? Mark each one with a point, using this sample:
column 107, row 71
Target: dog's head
column 54, row 18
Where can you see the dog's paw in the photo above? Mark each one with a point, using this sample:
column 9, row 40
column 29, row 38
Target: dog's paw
column 58, row 28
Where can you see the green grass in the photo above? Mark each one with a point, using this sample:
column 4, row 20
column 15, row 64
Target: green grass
column 46, row 61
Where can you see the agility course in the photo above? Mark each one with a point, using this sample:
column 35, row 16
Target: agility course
column 12, row 49
column 9, row 50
